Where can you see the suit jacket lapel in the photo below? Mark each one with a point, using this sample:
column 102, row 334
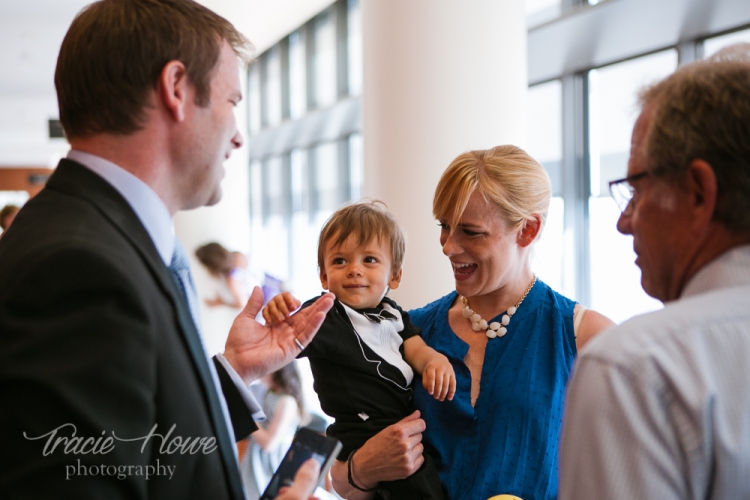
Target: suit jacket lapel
column 77, row 180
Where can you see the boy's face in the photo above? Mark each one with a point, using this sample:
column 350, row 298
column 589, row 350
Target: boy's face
column 358, row 275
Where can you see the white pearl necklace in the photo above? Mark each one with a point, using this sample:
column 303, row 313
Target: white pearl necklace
column 496, row 328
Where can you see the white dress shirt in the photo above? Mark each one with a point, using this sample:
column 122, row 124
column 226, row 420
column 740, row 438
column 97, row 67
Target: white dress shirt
column 659, row 407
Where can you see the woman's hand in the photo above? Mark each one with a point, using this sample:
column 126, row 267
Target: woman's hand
column 280, row 307
column 393, row 453
column 438, row 378
column 304, row 482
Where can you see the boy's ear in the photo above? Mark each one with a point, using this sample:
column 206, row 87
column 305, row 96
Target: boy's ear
column 395, row 280
column 323, row 279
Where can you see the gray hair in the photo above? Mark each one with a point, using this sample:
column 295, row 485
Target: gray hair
column 702, row 111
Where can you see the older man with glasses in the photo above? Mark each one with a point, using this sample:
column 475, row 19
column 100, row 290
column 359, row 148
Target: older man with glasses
column 659, row 407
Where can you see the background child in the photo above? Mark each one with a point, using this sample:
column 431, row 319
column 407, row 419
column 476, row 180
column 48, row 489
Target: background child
column 229, row 270
column 284, row 409
column 365, row 353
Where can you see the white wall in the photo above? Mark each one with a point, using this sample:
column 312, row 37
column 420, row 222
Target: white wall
column 440, row 78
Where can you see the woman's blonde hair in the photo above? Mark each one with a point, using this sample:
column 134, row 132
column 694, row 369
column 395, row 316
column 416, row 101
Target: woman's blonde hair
column 506, row 176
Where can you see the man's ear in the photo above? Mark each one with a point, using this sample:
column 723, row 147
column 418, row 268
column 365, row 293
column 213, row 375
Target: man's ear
column 174, row 89
column 529, row 230
column 702, row 191
column 395, row 280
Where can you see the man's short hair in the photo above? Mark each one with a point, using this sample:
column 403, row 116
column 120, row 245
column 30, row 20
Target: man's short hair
column 366, row 221
column 115, row 50
column 702, row 111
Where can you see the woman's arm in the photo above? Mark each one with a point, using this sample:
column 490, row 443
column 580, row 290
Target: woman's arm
column 590, row 324
column 393, row 453
column 283, row 418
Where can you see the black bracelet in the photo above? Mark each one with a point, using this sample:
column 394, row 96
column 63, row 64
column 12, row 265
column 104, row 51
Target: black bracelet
column 349, row 470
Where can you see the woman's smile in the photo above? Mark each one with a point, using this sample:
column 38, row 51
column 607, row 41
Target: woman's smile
column 463, row 271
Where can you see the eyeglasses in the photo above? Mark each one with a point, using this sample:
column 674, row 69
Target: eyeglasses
column 622, row 190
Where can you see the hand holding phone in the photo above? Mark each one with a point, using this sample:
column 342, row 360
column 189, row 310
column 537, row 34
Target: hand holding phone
column 305, row 481
column 307, row 444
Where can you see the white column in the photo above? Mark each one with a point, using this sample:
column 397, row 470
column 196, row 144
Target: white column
column 440, row 77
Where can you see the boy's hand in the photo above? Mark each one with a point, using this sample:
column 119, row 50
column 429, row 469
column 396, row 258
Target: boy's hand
column 439, row 378
column 280, row 308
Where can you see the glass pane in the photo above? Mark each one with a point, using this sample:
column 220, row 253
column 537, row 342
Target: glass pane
column 258, row 246
column 541, row 11
column 615, row 279
column 325, row 60
column 273, row 86
column 276, row 232
column 713, row 45
column 548, row 255
column 356, row 165
column 297, row 81
column 303, row 268
column 253, row 98
column 299, row 177
column 256, row 191
column 544, row 143
column 544, row 129
column 355, row 47
column 326, row 178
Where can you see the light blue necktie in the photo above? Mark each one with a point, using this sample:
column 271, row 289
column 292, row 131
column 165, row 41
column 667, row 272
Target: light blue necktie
column 180, row 267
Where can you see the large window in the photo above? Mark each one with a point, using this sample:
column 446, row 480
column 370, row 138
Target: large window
column 615, row 279
column 544, row 143
column 540, row 11
column 297, row 77
column 271, row 73
column 305, row 147
column 325, row 59
column 582, row 106
column 713, row 45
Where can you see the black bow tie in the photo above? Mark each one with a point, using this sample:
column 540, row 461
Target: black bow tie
column 379, row 315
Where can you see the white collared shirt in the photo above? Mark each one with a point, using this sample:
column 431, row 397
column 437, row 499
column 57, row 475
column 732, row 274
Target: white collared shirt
column 150, row 209
column 658, row 407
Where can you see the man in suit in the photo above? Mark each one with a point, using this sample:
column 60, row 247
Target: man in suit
column 105, row 388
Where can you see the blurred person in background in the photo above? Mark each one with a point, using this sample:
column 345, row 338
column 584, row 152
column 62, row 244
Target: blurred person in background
column 229, row 271
column 7, row 214
column 285, row 410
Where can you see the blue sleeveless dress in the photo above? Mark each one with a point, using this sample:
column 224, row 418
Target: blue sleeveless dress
column 508, row 442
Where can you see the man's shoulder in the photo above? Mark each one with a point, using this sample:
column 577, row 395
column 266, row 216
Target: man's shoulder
column 59, row 236
column 680, row 326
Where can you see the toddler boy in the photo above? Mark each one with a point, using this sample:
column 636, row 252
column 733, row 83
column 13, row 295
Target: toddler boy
column 365, row 353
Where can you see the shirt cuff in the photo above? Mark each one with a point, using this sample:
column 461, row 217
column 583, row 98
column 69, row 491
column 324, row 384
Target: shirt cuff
column 248, row 397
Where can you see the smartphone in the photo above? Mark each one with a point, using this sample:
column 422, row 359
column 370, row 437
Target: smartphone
column 306, row 444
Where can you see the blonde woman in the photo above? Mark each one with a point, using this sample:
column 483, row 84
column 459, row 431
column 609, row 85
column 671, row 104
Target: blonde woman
column 511, row 340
